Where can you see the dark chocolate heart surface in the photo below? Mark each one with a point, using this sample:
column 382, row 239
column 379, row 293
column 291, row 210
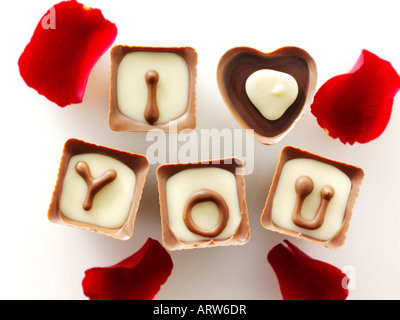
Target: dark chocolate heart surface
column 237, row 64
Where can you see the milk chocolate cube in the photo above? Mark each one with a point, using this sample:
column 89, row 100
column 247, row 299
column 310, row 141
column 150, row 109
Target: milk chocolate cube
column 203, row 204
column 312, row 197
column 98, row 189
column 153, row 88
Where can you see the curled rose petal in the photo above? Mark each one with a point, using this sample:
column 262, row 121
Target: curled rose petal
column 138, row 277
column 303, row 278
column 356, row 106
column 66, row 44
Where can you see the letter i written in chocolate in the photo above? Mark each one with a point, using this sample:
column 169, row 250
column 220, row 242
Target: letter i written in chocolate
column 151, row 112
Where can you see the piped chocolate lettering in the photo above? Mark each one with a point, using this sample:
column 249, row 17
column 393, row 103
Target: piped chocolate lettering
column 304, row 186
column 94, row 184
column 151, row 112
column 202, row 196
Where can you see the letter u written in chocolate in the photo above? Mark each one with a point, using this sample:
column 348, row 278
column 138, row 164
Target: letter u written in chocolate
column 303, row 187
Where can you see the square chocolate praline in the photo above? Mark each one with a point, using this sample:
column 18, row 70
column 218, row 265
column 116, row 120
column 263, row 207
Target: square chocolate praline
column 120, row 121
column 352, row 173
column 230, row 176
column 131, row 171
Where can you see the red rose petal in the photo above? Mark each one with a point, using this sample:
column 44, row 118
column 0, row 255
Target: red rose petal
column 66, row 44
column 356, row 107
column 303, row 278
column 138, row 277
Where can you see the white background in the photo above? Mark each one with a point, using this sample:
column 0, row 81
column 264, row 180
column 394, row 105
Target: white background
column 41, row 260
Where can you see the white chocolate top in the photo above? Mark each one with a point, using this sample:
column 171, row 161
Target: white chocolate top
column 172, row 87
column 271, row 92
column 322, row 174
column 205, row 214
column 111, row 204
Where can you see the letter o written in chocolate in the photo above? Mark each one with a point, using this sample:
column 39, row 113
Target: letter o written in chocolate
column 204, row 195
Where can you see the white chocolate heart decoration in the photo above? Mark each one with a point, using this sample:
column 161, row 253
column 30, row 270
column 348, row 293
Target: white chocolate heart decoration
column 271, row 92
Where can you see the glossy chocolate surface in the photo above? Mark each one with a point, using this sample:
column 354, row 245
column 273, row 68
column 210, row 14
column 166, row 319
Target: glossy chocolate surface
column 242, row 233
column 94, row 185
column 139, row 165
column 303, row 187
column 120, row 122
column 356, row 176
column 151, row 112
column 204, row 195
column 237, row 64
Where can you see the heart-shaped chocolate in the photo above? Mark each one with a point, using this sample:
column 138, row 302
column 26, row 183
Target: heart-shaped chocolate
column 238, row 64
